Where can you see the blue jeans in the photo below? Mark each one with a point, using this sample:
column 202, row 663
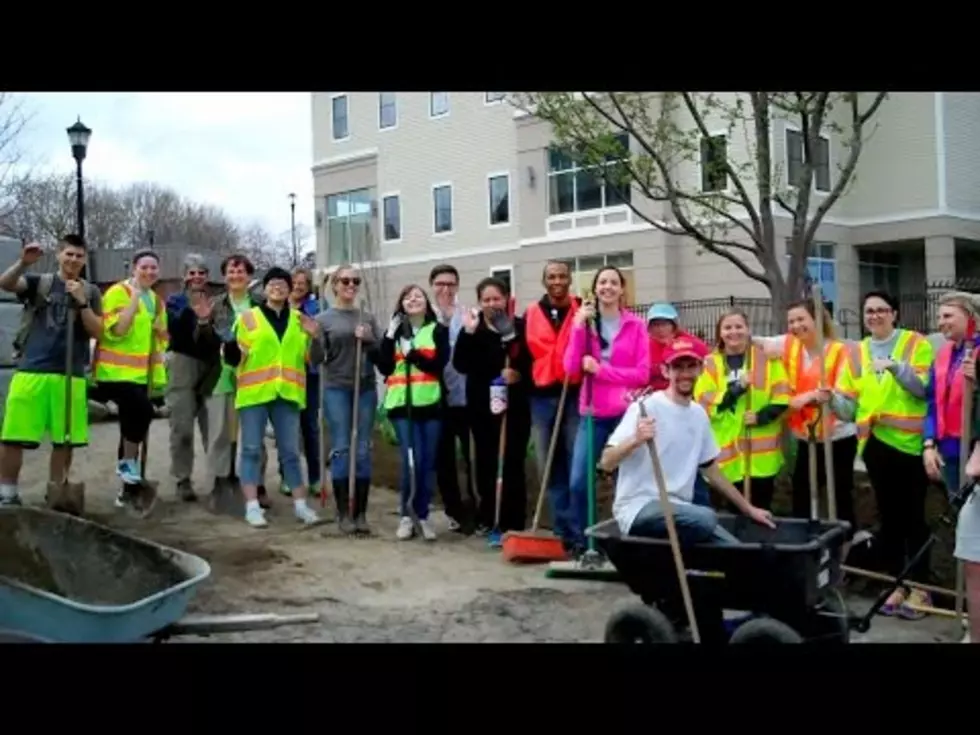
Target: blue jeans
column 544, row 411
column 284, row 416
column 702, row 493
column 695, row 524
column 423, row 438
column 602, row 429
column 338, row 407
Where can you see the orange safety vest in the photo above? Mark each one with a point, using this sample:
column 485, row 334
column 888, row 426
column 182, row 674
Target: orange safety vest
column 804, row 379
column 548, row 348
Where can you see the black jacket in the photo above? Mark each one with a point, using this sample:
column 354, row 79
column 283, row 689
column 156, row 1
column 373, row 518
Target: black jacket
column 385, row 362
column 480, row 357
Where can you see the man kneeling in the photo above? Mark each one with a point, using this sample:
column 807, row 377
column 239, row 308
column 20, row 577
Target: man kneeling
column 685, row 446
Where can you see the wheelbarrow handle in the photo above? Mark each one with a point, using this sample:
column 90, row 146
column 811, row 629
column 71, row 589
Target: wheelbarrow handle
column 204, row 625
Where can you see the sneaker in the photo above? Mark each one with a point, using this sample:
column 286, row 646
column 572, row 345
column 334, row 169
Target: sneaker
column 129, row 471
column 185, row 491
column 306, row 514
column 454, row 525
column 285, row 489
column 892, row 605
column 255, row 517
column 428, row 532
column 918, row 598
column 406, row 529
column 120, row 501
column 481, row 530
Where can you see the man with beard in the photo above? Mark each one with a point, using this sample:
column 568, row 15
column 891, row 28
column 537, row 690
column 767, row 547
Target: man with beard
column 189, row 362
column 549, row 324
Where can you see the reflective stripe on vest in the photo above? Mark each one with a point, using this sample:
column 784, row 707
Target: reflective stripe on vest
column 272, row 368
column 425, row 388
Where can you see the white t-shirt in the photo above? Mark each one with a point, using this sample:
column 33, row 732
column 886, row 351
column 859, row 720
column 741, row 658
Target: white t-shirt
column 684, row 443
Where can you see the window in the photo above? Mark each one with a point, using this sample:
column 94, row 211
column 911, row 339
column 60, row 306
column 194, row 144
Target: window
column 879, row 272
column 387, row 110
column 349, row 226
column 338, row 117
column 493, row 98
column 821, row 160
column 585, row 267
column 572, row 188
column 505, row 274
column 438, row 104
column 392, row 211
column 499, row 191
column 442, row 208
column 821, row 269
column 714, row 156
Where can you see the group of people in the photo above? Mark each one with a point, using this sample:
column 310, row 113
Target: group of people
column 473, row 383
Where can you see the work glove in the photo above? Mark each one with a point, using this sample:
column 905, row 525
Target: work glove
column 503, row 324
column 394, row 326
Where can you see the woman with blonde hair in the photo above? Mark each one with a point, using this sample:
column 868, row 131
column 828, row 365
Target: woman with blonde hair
column 344, row 324
column 745, row 396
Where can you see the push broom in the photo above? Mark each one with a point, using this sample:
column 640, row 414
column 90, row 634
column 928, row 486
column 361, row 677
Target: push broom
column 524, row 547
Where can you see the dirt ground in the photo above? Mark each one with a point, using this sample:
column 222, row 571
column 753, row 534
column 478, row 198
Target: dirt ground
column 367, row 590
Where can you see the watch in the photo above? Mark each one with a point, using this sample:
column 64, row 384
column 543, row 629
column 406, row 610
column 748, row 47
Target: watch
column 928, row 444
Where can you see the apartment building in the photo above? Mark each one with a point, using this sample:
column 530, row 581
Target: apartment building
column 405, row 180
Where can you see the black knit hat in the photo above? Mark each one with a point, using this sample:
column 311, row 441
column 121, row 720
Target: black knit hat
column 277, row 272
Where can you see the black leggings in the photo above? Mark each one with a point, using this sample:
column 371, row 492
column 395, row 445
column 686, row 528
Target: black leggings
column 135, row 409
column 899, row 481
column 843, row 452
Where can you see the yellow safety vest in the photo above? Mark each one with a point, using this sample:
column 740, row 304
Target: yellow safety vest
column 768, row 386
column 884, row 407
column 127, row 358
column 425, row 388
column 271, row 368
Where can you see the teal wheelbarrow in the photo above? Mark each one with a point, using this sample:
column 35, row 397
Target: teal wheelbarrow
column 68, row 580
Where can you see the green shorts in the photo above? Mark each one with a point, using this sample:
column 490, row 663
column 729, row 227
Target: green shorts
column 36, row 409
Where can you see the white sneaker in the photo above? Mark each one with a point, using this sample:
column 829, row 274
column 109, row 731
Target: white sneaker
column 255, row 517
column 428, row 532
column 306, row 514
column 406, row 529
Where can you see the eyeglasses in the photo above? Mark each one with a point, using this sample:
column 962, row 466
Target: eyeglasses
column 445, row 284
column 877, row 312
column 348, row 281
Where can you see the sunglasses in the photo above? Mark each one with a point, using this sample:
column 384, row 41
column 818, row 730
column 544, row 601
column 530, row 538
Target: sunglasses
column 197, row 273
column 348, row 281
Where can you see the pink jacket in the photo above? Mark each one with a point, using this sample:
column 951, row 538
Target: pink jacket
column 627, row 369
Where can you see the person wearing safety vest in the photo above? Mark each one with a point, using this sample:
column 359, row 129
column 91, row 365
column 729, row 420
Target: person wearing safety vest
column 798, row 352
column 273, row 344
column 129, row 361
column 412, row 356
column 889, row 379
column 744, row 395
column 549, row 325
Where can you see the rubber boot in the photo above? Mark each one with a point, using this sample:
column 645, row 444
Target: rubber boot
column 361, row 490
column 343, row 506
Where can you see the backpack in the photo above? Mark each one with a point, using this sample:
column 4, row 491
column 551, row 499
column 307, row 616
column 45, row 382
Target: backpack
column 44, row 286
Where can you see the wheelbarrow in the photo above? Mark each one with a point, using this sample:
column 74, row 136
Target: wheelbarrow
column 65, row 579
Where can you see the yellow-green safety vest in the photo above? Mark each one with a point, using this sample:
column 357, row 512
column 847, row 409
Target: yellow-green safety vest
column 127, row 358
column 884, row 408
column 768, row 386
column 425, row 388
column 271, row 368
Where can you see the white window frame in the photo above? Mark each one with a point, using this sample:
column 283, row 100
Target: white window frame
column 440, row 115
column 333, row 134
column 489, row 101
column 382, row 128
column 788, row 128
column 452, row 208
column 605, row 209
column 510, row 201
column 728, row 179
column 401, row 226
column 509, row 267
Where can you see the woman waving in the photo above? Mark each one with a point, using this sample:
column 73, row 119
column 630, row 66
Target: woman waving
column 744, row 395
column 609, row 346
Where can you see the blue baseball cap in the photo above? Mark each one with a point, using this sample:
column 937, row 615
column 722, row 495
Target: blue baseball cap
column 662, row 311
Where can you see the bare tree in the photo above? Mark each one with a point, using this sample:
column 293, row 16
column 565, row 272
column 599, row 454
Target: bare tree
column 42, row 207
column 161, row 210
column 729, row 209
column 13, row 122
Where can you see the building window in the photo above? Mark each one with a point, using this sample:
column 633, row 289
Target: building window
column 821, row 270
column 338, row 117
column 499, row 199
column 585, row 267
column 572, row 188
column 795, row 160
column 714, row 157
column 438, row 104
column 442, row 208
column 387, row 110
column 493, row 98
column 879, row 272
column 392, row 210
column 349, row 226
column 506, row 275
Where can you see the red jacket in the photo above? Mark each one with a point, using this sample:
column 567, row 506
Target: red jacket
column 657, row 379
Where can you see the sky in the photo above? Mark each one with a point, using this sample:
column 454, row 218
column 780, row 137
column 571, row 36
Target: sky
column 243, row 152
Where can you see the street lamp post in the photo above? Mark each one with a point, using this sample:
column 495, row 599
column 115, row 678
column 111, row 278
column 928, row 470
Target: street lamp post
column 78, row 136
column 292, row 227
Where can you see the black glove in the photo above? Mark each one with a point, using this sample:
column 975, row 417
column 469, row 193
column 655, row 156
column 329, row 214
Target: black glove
column 503, row 325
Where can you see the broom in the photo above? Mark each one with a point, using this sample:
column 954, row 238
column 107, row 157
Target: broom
column 532, row 546
column 494, row 540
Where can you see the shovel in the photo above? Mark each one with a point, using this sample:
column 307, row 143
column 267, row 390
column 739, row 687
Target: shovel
column 828, row 454
column 495, row 538
column 227, row 496
column 68, row 497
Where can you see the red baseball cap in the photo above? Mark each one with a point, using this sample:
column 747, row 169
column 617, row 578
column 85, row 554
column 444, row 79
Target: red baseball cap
column 681, row 348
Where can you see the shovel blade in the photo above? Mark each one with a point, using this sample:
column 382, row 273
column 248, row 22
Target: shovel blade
column 227, row 499
column 66, row 497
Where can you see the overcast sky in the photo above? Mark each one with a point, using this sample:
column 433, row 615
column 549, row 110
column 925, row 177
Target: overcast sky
column 243, row 152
